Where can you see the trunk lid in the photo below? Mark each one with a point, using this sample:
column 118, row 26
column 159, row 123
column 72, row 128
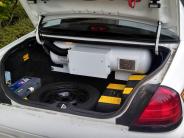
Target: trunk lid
column 167, row 13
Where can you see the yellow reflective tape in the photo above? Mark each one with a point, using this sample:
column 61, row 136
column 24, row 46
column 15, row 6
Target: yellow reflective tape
column 116, row 86
column 26, row 57
column 127, row 90
column 109, row 100
column 136, row 77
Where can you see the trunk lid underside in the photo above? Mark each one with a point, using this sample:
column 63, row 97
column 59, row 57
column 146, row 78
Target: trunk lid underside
column 167, row 14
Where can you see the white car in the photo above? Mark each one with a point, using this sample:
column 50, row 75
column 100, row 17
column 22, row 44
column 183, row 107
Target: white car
column 95, row 69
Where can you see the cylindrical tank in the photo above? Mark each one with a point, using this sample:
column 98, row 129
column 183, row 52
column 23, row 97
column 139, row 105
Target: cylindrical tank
column 136, row 60
column 115, row 58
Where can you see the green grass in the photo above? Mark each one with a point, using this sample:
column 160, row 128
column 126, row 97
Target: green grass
column 18, row 29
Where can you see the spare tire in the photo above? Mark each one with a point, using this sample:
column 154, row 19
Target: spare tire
column 80, row 95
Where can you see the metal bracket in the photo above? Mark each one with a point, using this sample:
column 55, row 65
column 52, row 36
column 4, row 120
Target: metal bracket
column 38, row 35
column 35, row 1
column 159, row 28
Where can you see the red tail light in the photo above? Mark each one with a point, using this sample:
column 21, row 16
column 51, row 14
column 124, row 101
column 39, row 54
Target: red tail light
column 164, row 109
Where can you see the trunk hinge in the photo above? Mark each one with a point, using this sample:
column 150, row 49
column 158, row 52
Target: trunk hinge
column 159, row 28
column 38, row 35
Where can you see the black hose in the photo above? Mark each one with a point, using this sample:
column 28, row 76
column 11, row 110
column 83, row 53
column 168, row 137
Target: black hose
column 49, row 46
column 52, row 47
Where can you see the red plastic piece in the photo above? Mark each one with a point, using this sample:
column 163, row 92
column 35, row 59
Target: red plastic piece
column 163, row 109
column 132, row 3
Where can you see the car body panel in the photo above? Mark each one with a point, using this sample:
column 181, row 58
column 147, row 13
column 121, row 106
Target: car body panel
column 22, row 121
column 40, row 123
column 17, row 120
column 174, row 77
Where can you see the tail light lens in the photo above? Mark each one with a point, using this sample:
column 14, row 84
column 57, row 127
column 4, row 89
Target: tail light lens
column 163, row 110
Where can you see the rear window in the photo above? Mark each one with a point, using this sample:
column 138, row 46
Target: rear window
column 106, row 28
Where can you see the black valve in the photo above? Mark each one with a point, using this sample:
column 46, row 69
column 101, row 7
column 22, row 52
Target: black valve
column 154, row 4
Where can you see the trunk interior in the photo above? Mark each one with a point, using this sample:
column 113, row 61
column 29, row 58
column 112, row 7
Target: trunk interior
column 30, row 60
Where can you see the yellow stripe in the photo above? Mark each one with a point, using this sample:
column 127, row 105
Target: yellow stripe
column 127, row 90
column 26, row 57
column 110, row 100
column 136, row 77
column 116, row 86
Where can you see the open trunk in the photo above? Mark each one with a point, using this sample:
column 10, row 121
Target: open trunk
column 69, row 92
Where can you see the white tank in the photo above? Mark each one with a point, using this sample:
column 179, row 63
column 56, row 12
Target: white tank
column 100, row 60
column 136, row 60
